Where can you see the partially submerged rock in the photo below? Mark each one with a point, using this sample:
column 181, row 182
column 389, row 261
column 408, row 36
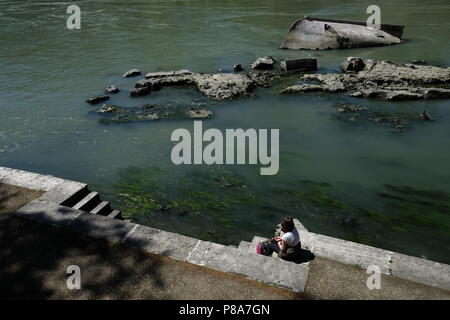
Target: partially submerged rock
column 237, row 68
column 96, row 100
column 380, row 79
column 131, row 73
column 265, row 63
column 353, row 64
column 425, row 116
column 220, row 86
column 198, row 113
column 224, row 86
column 112, row 89
column 162, row 74
column 109, row 108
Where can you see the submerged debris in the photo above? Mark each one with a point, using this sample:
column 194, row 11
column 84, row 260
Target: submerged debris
column 109, row 108
column 298, row 65
column 351, row 108
column 199, row 113
column 361, row 114
column 426, row 116
column 381, row 79
column 151, row 112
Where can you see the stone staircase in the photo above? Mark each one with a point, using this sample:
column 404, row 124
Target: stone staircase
column 90, row 201
column 294, row 274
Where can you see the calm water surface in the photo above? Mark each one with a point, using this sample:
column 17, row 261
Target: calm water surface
column 359, row 181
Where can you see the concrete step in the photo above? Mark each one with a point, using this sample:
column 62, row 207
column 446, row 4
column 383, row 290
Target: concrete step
column 266, row 269
column 115, row 214
column 67, row 193
column 73, row 196
column 102, row 208
column 243, row 246
column 89, row 202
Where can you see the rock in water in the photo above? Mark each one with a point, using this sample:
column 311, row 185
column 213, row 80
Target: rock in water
column 139, row 92
column 380, row 79
column 96, row 100
column 131, row 73
column 353, row 64
column 237, row 68
column 425, row 116
column 162, row 74
column 264, row 63
column 219, row 86
column 109, row 108
column 299, row 65
column 112, row 89
column 198, row 113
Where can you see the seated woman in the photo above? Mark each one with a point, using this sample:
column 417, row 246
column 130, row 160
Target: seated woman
column 288, row 245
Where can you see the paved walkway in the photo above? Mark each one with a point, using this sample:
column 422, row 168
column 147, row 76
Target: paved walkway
column 330, row 279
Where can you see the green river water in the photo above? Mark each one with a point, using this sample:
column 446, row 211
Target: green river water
column 360, row 181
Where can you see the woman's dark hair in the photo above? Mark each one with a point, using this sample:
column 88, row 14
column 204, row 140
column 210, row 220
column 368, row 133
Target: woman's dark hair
column 287, row 224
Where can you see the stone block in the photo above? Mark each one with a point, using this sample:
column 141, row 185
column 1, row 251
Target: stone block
column 421, row 270
column 352, row 253
column 155, row 241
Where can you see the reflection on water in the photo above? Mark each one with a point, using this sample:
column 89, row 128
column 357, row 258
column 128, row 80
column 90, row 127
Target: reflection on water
column 359, row 181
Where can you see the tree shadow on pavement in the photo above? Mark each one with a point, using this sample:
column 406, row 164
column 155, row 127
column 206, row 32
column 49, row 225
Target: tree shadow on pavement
column 34, row 260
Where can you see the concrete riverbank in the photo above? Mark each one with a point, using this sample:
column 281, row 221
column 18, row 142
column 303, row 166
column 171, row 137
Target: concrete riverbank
column 338, row 271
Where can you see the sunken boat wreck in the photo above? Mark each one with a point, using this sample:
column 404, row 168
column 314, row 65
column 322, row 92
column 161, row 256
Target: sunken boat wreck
column 325, row 34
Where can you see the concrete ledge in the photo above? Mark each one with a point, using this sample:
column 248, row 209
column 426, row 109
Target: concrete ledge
column 63, row 191
column 257, row 267
column 48, row 213
column 308, row 239
column 155, row 241
column 421, row 270
column 28, row 180
column 352, row 253
column 101, row 227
